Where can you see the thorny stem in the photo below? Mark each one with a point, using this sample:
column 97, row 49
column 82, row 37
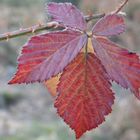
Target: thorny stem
column 121, row 6
column 30, row 30
column 40, row 27
column 50, row 25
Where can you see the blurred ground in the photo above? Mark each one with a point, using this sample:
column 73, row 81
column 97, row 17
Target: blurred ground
column 27, row 112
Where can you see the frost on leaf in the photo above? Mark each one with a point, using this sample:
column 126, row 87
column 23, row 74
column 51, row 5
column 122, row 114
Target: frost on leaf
column 67, row 14
column 84, row 96
column 121, row 65
column 46, row 55
column 112, row 24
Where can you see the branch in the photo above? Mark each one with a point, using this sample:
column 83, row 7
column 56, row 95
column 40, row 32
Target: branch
column 121, row 6
column 30, row 30
column 50, row 25
column 41, row 27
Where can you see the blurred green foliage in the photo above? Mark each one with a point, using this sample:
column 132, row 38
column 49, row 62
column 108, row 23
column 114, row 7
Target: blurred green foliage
column 11, row 98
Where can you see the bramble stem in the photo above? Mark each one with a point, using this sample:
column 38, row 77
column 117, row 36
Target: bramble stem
column 40, row 27
column 30, row 30
column 121, row 6
column 50, row 25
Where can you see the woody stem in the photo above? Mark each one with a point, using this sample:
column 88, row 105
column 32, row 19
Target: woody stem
column 51, row 25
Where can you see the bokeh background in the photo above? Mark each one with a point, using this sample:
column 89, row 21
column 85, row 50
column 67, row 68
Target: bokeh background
column 27, row 112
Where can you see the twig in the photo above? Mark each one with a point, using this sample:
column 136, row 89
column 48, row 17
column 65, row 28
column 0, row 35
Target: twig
column 121, row 6
column 26, row 31
column 40, row 27
column 50, row 25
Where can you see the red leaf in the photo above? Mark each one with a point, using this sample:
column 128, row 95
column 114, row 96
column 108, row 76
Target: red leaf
column 46, row 55
column 121, row 65
column 85, row 96
column 67, row 14
column 109, row 25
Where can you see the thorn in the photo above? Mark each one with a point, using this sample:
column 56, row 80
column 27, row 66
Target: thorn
column 40, row 23
column 53, row 24
column 7, row 36
column 21, row 27
column 33, row 30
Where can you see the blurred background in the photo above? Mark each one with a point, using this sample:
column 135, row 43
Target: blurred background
column 27, row 112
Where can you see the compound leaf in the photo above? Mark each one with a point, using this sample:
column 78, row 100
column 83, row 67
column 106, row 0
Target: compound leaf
column 109, row 25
